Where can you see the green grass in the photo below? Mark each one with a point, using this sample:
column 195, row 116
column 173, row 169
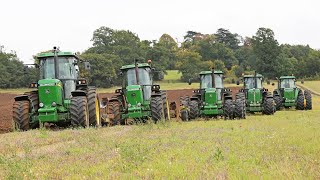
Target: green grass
column 283, row 146
column 313, row 85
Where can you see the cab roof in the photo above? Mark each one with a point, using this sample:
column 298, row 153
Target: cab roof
column 51, row 54
column 287, row 77
column 251, row 76
column 209, row 72
column 131, row 66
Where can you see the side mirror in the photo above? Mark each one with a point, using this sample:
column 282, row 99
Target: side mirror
column 87, row 66
column 120, row 73
column 238, row 83
column 189, row 82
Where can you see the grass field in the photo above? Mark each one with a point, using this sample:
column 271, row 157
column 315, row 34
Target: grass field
column 313, row 85
column 283, row 146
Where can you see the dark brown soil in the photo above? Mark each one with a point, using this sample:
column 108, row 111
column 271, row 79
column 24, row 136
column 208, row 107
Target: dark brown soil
column 6, row 101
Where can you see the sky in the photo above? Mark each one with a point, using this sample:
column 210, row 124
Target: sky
column 32, row 26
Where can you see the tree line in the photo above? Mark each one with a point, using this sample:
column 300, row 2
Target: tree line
column 223, row 50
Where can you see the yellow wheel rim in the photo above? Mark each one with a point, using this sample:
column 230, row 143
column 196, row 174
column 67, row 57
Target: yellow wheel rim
column 97, row 112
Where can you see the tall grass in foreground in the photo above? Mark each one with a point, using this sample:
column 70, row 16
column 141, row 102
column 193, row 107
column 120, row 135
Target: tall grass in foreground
column 284, row 146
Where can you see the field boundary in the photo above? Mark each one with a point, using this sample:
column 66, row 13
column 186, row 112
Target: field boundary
column 305, row 88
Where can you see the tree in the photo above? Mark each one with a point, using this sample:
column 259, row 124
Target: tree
column 266, row 49
column 225, row 37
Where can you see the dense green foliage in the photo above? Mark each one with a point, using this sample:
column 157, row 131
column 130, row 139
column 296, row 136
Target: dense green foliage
column 13, row 73
column 221, row 50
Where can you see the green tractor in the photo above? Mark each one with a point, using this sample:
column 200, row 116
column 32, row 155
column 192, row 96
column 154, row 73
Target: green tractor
column 256, row 98
column 60, row 96
column 287, row 95
column 138, row 99
column 212, row 99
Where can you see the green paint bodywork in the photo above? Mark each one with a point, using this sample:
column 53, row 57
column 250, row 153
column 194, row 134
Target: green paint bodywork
column 50, row 91
column 137, row 107
column 289, row 95
column 211, row 106
column 254, row 100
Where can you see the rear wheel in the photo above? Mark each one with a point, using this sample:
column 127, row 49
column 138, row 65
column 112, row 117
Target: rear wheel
column 156, row 108
column 194, row 109
column 268, row 107
column 228, row 109
column 278, row 102
column 20, row 114
column 79, row 111
column 94, row 108
column 300, row 101
column 240, row 109
column 308, row 97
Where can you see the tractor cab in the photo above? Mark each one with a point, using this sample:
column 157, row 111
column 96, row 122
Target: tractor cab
column 137, row 78
column 60, row 68
column 252, row 82
column 287, row 82
column 207, row 83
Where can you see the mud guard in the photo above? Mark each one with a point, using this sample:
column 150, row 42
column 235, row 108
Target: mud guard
column 78, row 93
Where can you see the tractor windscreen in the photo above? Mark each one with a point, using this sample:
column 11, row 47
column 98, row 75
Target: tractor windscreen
column 67, row 72
column 206, row 81
column 288, row 83
column 66, row 68
column 249, row 83
column 144, row 80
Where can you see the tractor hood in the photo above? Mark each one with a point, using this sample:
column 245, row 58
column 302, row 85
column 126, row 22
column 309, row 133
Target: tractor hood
column 134, row 95
column 50, row 97
column 289, row 93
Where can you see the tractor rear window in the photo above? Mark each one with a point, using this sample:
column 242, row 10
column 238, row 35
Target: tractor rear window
column 288, row 83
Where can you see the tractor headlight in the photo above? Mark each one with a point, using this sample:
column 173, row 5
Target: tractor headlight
column 41, row 105
column 129, row 105
column 54, row 104
column 139, row 104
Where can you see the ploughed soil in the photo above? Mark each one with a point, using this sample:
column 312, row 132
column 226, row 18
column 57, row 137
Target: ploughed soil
column 6, row 102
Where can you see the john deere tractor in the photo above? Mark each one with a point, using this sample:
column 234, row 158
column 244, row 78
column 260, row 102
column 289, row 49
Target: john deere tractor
column 287, row 95
column 60, row 96
column 256, row 98
column 212, row 99
column 138, row 99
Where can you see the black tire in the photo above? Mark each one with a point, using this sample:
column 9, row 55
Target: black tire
column 194, row 109
column 228, row 109
column 184, row 115
column 34, row 106
column 300, row 101
column 114, row 108
column 278, row 102
column 268, row 107
column 20, row 115
column 239, row 109
column 79, row 111
column 308, row 97
column 164, row 103
column 94, row 108
column 156, row 108
column 241, row 95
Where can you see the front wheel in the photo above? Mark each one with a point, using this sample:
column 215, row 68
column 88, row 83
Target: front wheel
column 157, row 109
column 79, row 111
column 278, row 102
column 268, row 107
column 300, row 101
column 194, row 109
column 240, row 109
column 228, row 109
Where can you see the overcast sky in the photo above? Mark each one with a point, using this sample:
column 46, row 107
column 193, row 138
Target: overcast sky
column 30, row 26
